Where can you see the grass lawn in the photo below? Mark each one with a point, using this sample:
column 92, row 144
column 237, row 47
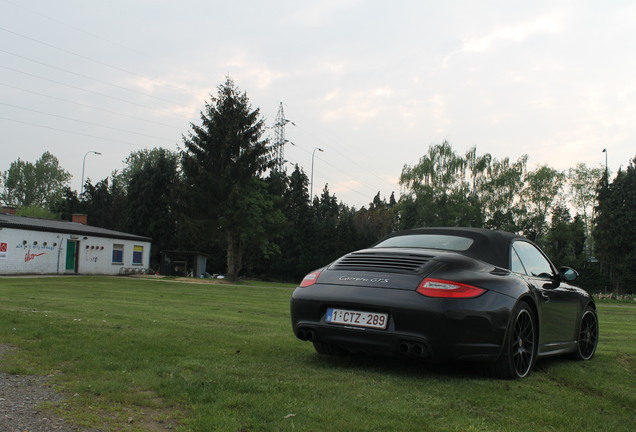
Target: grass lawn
column 143, row 355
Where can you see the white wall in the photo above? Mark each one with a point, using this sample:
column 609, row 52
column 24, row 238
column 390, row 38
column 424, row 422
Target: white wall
column 38, row 252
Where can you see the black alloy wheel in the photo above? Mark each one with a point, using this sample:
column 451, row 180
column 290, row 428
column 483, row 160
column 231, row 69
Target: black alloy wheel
column 588, row 335
column 520, row 346
column 523, row 343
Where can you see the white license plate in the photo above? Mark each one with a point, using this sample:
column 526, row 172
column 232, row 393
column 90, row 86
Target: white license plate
column 357, row 318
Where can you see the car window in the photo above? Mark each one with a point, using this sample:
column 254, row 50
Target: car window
column 526, row 258
column 515, row 263
column 428, row 241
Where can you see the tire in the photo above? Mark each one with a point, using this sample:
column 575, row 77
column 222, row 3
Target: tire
column 328, row 349
column 520, row 347
column 588, row 335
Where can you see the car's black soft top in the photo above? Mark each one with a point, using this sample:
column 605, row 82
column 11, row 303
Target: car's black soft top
column 489, row 246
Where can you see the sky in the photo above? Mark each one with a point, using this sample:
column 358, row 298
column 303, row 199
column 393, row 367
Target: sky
column 371, row 83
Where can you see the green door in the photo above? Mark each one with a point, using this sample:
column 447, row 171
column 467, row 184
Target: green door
column 71, row 255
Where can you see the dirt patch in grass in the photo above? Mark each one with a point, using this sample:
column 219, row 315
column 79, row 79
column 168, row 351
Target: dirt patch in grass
column 30, row 403
column 27, row 403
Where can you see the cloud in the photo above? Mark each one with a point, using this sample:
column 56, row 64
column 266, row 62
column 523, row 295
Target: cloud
column 316, row 13
column 330, row 96
column 250, row 74
column 627, row 92
column 194, row 104
column 543, row 103
column 437, row 111
column 359, row 106
column 333, row 67
column 262, row 76
column 148, row 85
column 550, row 23
column 344, row 186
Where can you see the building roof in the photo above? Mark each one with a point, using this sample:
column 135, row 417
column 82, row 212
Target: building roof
column 35, row 224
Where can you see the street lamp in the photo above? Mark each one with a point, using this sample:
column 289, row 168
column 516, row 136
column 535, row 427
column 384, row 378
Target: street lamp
column 83, row 165
column 311, row 193
column 606, row 172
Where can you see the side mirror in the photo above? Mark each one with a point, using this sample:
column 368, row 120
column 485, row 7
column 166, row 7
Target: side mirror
column 568, row 274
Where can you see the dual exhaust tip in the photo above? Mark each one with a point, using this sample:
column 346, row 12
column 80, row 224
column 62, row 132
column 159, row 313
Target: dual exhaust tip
column 411, row 349
column 305, row 334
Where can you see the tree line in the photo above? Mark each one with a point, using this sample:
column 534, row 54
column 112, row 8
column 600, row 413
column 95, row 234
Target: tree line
column 222, row 194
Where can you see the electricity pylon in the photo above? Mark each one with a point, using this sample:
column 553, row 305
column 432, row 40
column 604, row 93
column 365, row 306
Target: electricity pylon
column 279, row 138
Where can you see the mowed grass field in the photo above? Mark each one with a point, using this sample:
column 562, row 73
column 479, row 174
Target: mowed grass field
column 148, row 355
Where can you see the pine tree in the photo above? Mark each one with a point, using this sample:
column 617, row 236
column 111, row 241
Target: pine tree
column 615, row 232
column 223, row 161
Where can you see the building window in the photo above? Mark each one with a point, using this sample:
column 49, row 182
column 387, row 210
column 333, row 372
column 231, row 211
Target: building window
column 118, row 254
column 138, row 255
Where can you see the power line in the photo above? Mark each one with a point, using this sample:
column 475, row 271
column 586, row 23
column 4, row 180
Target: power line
column 330, row 147
column 71, row 132
column 72, row 53
column 91, row 78
column 334, row 148
column 87, row 91
column 90, row 106
column 96, row 36
column 84, row 121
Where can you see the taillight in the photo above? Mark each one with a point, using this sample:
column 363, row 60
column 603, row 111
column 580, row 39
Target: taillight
column 310, row 279
column 448, row 289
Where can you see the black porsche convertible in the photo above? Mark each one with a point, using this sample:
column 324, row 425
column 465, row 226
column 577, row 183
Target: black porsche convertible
column 448, row 293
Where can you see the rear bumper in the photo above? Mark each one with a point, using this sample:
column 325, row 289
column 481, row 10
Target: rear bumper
column 466, row 329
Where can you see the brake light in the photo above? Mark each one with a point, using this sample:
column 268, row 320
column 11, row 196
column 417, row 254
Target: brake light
column 310, row 279
column 448, row 289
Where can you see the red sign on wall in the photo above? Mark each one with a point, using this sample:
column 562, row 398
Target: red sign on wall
column 3, row 251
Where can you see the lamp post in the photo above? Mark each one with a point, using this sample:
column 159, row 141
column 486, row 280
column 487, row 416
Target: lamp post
column 83, row 165
column 311, row 193
column 606, row 172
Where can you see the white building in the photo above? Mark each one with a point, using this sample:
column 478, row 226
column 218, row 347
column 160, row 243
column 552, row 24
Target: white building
column 40, row 246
